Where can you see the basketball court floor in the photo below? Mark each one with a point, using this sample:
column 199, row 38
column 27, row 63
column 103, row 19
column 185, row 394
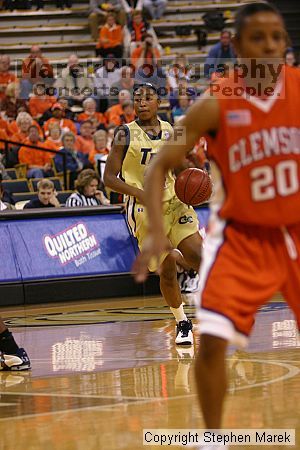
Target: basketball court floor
column 104, row 371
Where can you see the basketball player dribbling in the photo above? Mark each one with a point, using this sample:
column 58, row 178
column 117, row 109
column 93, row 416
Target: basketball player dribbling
column 252, row 248
column 133, row 147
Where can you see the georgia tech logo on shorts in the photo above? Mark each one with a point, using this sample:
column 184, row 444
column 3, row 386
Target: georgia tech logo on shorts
column 185, row 219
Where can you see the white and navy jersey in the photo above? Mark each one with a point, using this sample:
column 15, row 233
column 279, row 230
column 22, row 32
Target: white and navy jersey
column 77, row 199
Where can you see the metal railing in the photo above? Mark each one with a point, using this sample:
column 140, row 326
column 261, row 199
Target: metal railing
column 7, row 143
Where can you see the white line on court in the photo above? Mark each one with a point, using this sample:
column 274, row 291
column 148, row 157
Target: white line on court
column 292, row 372
column 72, row 395
column 173, row 359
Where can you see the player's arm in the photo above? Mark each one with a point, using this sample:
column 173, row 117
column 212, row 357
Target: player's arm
column 201, row 118
column 113, row 168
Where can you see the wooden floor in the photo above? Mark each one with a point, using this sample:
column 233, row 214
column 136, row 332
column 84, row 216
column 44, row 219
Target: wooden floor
column 103, row 372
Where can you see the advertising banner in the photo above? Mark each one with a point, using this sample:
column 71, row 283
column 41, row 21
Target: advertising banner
column 8, row 264
column 71, row 246
column 58, row 247
column 203, row 215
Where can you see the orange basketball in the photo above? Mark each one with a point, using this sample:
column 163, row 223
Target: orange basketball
column 193, row 186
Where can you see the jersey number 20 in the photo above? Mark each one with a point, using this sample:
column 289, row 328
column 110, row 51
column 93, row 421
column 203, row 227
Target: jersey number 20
column 268, row 181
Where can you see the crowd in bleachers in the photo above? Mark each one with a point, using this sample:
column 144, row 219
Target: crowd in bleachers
column 75, row 110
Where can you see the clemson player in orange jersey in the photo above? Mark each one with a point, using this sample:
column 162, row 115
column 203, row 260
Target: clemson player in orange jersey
column 252, row 248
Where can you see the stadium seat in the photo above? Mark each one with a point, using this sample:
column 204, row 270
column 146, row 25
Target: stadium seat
column 21, row 170
column 20, row 185
column 12, row 173
column 63, row 195
column 22, row 196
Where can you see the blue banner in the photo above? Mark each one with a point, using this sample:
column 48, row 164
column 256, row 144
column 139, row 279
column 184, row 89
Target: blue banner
column 47, row 248
column 9, row 270
column 71, row 246
column 203, row 215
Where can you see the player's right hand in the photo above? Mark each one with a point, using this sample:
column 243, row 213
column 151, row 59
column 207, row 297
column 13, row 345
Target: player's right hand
column 154, row 246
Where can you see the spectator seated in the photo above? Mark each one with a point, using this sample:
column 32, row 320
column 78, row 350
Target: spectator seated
column 6, row 77
column 114, row 113
column 84, row 142
column 58, row 117
column 46, row 196
column 183, row 90
column 128, row 114
column 18, row 128
column 98, row 11
column 87, row 190
column 11, row 103
column 180, row 111
column 75, row 161
column 105, row 77
column 35, row 69
column 136, row 27
column 38, row 162
column 90, row 113
column 40, row 102
column 147, row 53
column 220, row 54
column 179, row 70
column 100, row 147
column 74, row 82
column 126, row 82
column 54, row 141
column 110, row 38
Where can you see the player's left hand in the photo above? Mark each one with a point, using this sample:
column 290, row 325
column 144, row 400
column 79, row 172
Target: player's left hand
column 154, row 245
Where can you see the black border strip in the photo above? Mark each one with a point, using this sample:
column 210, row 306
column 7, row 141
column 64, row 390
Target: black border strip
column 76, row 288
column 59, row 212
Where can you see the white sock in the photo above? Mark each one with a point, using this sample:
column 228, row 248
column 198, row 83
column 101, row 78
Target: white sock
column 178, row 313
